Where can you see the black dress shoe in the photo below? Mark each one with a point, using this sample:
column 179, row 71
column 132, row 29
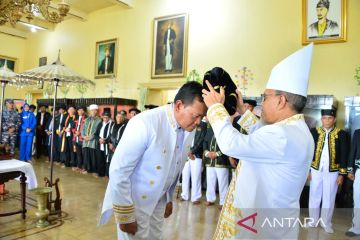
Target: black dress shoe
column 351, row 234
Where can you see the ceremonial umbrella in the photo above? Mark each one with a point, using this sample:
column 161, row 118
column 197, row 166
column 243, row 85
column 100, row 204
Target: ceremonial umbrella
column 55, row 73
column 6, row 75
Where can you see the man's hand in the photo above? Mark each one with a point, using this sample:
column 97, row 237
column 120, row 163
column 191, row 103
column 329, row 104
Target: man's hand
column 212, row 97
column 11, row 130
column 86, row 138
column 28, row 130
column 240, row 108
column 67, row 130
column 77, row 133
column 212, row 155
column 233, row 163
column 339, row 180
column 191, row 156
column 111, row 147
column 168, row 210
column 351, row 176
column 130, row 228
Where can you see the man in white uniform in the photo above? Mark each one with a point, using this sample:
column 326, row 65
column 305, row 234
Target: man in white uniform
column 147, row 163
column 268, row 181
column 328, row 169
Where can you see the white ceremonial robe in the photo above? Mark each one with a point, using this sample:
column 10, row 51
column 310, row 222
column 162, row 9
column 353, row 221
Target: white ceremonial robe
column 144, row 171
column 274, row 164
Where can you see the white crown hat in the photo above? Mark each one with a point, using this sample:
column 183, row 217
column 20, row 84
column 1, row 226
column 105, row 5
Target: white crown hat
column 292, row 74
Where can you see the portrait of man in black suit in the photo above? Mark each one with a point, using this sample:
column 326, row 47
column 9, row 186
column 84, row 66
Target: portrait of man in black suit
column 105, row 59
column 170, row 46
column 107, row 64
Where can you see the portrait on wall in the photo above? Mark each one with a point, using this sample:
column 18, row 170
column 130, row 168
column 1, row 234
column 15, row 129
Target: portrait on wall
column 106, row 58
column 170, row 46
column 42, row 61
column 324, row 21
column 10, row 62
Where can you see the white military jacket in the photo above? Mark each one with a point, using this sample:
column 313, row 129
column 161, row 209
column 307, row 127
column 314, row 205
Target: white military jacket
column 141, row 165
column 274, row 162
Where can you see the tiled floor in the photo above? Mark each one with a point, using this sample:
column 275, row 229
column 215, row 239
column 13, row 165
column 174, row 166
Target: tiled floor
column 82, row 197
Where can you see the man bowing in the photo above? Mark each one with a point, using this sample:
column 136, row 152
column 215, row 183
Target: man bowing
column 147, row 163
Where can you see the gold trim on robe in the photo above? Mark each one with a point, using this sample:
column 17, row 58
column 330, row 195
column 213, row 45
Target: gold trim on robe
column 247, row 120
column 217, row 112
column 226, row 227
column 124, row 214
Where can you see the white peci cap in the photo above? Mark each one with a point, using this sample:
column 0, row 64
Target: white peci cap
column 93, row 107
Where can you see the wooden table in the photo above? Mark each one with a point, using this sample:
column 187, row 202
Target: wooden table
column 6, row 176
column 21, row 171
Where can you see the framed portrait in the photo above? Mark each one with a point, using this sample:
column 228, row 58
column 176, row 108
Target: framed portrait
column 42, row 61
column 106, row 58
column 10, row 62
column 170, row 38
column 324, row 21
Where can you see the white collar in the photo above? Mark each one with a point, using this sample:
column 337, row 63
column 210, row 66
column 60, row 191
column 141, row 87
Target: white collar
column 171, row 117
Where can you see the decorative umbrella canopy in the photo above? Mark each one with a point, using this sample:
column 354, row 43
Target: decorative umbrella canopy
column 55, row 71
column 6, row 74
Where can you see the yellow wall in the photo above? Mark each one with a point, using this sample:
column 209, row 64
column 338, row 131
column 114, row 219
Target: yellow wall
column 226, row 33
column 13, row 47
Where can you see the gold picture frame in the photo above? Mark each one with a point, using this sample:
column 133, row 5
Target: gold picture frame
column 106, row 68
column 332, row 30
column 170, row 43
column 11, row 62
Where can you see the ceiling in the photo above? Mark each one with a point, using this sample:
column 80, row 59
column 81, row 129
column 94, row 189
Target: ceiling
column 79, row 9
column 88, row 6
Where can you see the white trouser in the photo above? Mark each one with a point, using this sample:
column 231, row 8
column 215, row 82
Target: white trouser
column 192, row 169
column 213, row 174
column 323, row 188
column 356, row 195
column 149, row 226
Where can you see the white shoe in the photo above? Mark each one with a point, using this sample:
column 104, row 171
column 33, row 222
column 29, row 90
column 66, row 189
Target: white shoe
column 329, row 230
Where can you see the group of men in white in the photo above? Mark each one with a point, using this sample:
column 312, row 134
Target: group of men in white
column 268, row 182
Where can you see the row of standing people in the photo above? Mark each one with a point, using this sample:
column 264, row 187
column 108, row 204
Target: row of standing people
column 18, row 126
column 85, row 143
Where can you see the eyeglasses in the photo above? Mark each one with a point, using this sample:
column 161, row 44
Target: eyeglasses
column 264, row 96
